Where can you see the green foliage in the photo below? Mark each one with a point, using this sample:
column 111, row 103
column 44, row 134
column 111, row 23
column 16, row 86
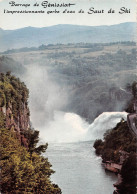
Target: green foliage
column 23, row 170
column 109, row 155
column 119, row 138
column 97, row 143
column 12, row 91
column 33, row 139
column 2, row 120
column 2, row 98
column 93, row 78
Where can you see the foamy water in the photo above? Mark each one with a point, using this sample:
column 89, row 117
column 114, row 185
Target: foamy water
column 65, row 127
column 70, row 127
column 103, row 122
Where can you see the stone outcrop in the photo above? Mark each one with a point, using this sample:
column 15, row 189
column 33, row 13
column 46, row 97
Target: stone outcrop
column 18, row 124
column 14, row 105
column 113, row 167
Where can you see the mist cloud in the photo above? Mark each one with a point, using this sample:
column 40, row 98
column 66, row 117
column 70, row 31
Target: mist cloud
column 45, row 95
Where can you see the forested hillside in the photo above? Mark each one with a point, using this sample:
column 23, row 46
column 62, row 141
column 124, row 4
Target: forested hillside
column 31, row 36
column 94, row 77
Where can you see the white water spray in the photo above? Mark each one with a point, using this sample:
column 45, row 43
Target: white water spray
column 103, row 122
column 46, row 100
column 70, row 127
column 65, row 127
column 45, row 95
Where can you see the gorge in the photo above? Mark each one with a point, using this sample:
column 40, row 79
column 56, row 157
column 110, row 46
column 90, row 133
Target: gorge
column 75, row 96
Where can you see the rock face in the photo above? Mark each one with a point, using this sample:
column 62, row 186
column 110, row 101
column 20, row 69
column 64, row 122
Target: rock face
column 113, row 167
column 13, row 105
column 19, row 124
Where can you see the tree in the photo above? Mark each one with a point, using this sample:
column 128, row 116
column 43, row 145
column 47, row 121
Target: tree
column 23, row 169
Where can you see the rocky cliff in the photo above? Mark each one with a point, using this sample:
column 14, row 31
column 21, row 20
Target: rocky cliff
column 23, row 169
column 14, row 105
column 20, row 123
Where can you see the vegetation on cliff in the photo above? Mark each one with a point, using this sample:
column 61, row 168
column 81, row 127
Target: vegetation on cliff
column 12, row 91
column 118, row 139
column 23, row 168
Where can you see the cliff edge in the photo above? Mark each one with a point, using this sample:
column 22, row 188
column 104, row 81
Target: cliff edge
column 23, row 168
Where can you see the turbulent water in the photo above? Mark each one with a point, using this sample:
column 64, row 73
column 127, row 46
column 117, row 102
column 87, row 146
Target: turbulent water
column 103, row 122
column 79, row 170
column 70, row 127
column 70, row 137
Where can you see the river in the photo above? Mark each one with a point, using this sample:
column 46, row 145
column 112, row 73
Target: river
column 78, row 169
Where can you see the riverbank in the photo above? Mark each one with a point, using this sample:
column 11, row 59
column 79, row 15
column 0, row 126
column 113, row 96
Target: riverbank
column 118, row 149
column 118, row 152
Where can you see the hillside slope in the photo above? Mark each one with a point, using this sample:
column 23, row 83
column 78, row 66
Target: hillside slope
column 30, row 36
column 89, row 78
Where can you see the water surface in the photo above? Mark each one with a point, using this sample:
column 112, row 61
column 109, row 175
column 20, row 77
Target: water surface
column 79, row 170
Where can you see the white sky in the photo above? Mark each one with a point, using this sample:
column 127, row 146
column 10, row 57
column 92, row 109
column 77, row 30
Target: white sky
column 14, row 21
